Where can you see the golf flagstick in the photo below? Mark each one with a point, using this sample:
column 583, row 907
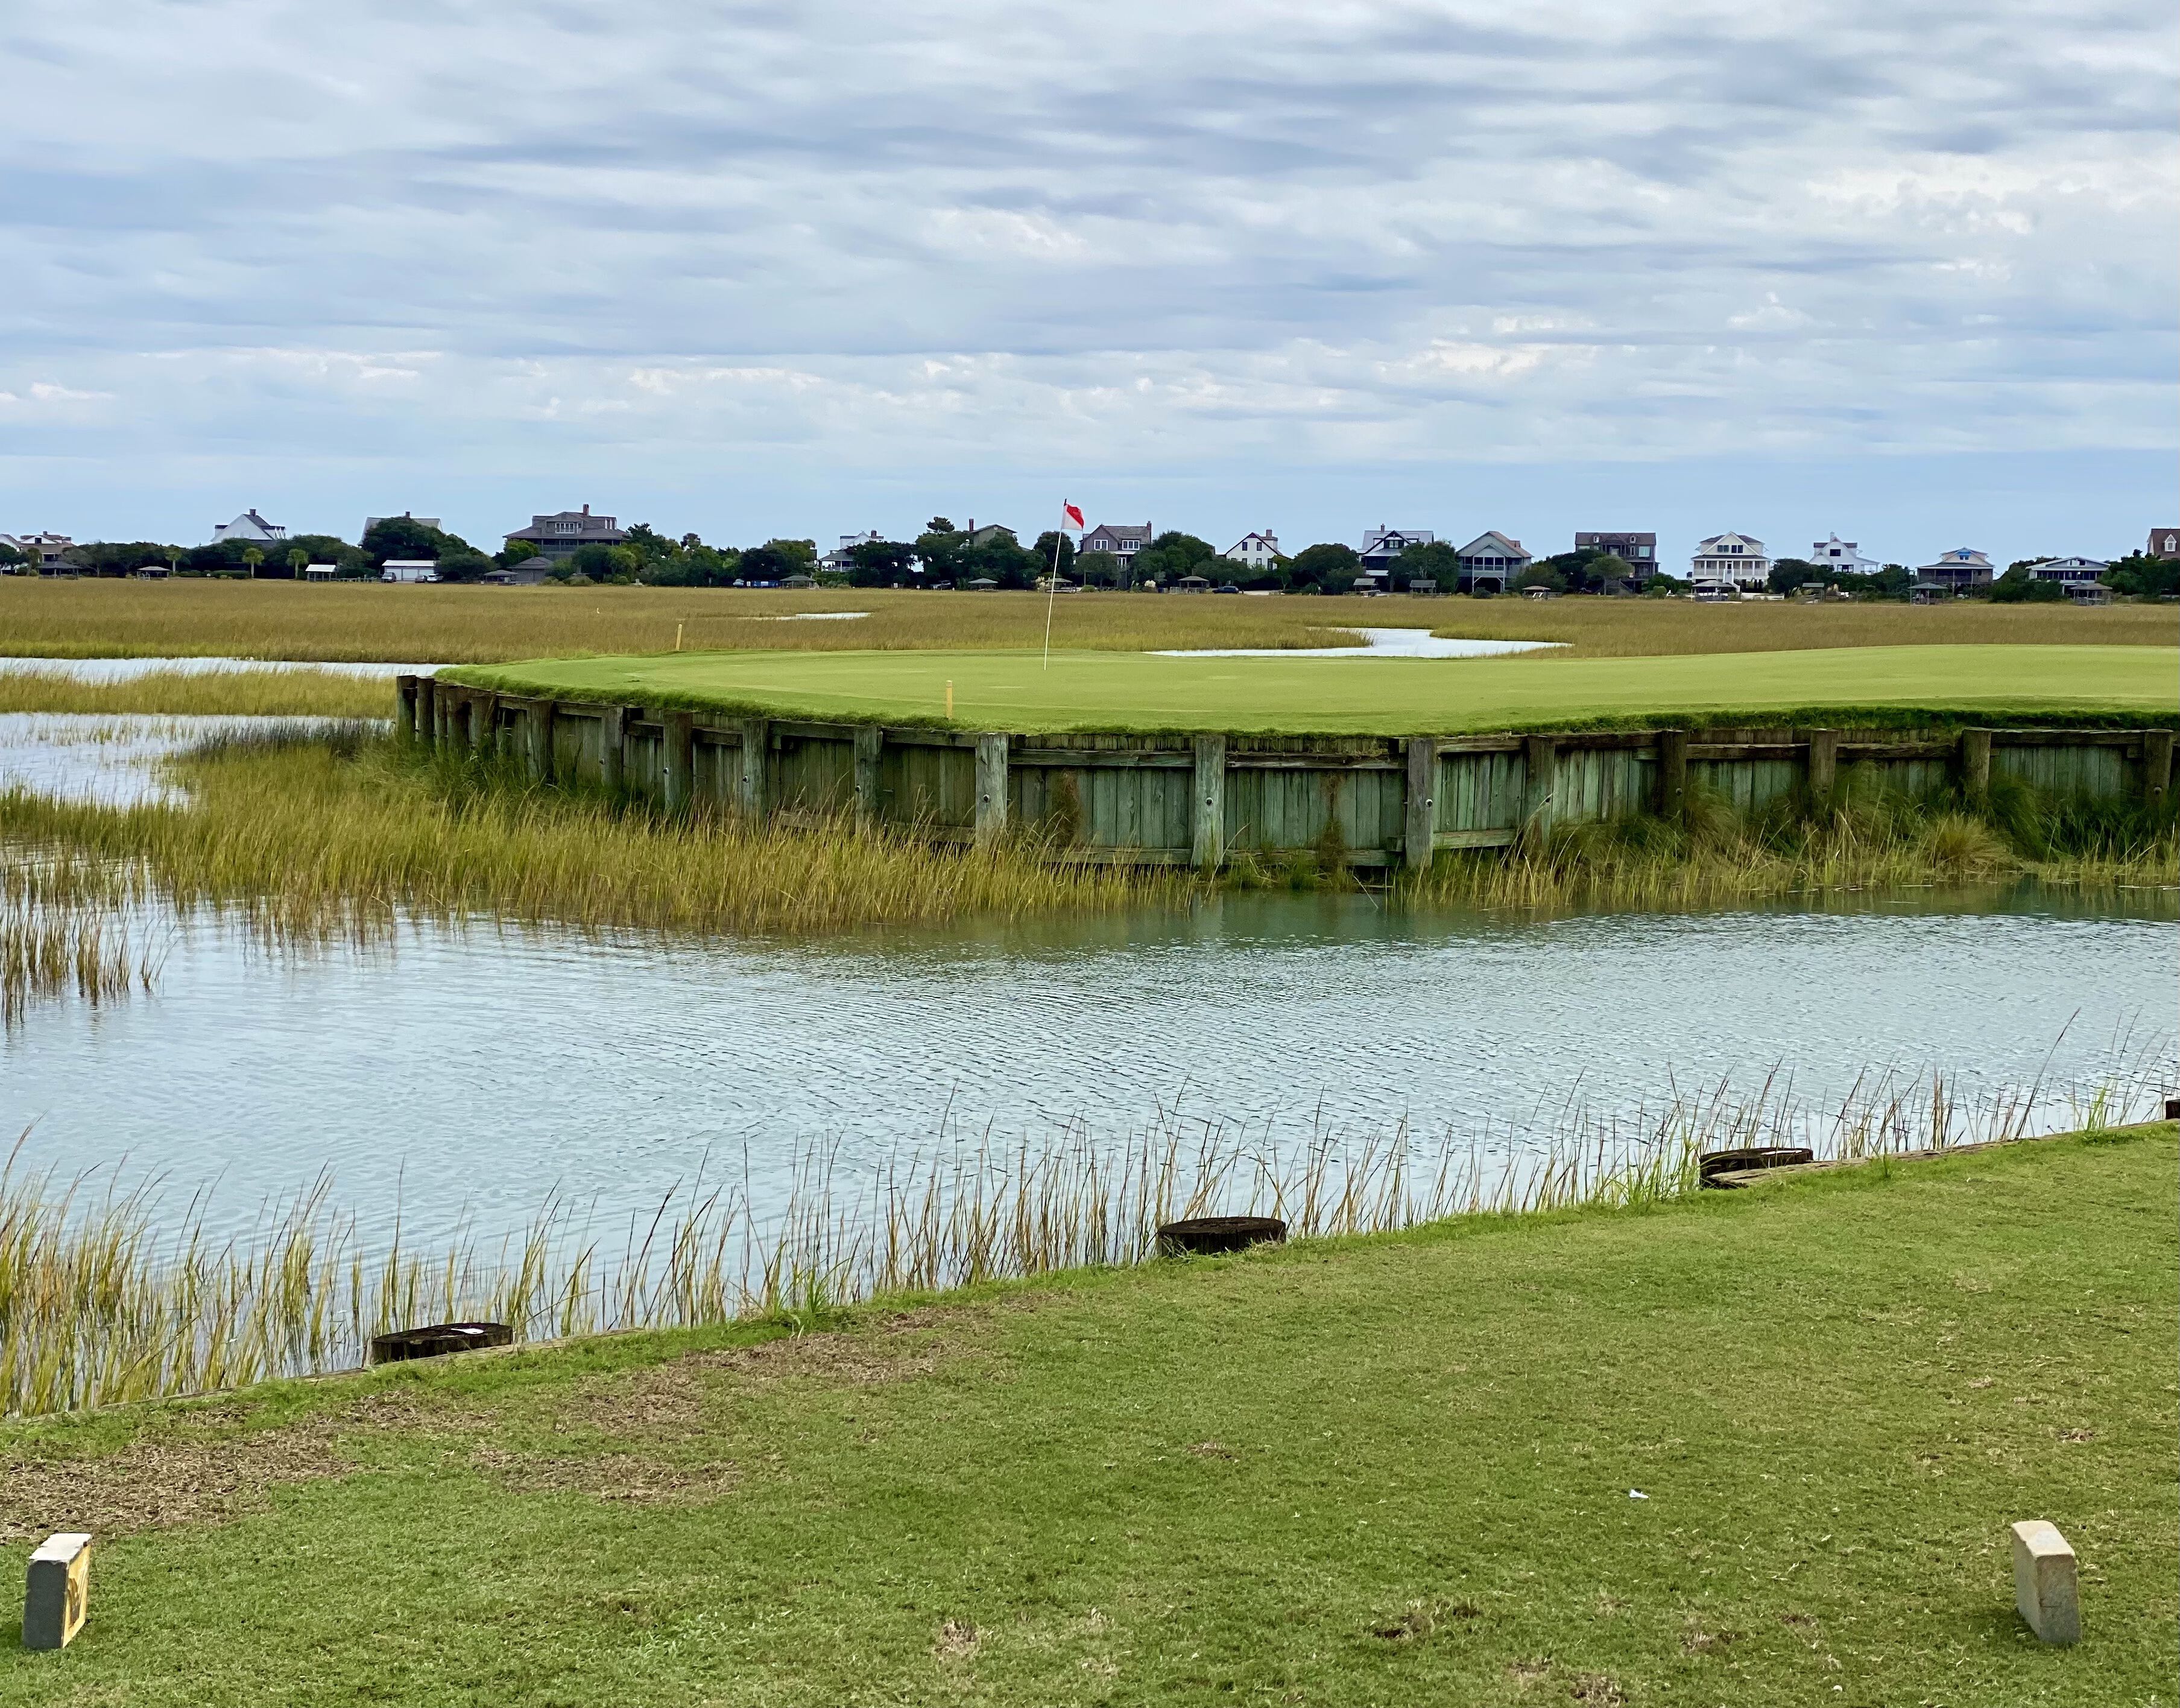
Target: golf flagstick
column 1071, row 517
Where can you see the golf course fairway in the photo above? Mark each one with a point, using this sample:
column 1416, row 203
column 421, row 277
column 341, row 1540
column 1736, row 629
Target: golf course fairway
column 1303, row 695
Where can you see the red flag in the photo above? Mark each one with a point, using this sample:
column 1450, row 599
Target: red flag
column 1074, row 514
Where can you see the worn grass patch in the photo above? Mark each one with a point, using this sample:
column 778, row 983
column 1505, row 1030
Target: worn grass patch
column 1384, row 697
column 1391, row 1471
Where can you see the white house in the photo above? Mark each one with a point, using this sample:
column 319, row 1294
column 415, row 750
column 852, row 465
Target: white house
column 1254, row 552
column 1729, row 562
column 45, row 550
column 1494, row 558
column 2083, row 578
column 837, row 561
column 249, row 525
column 1843, row 556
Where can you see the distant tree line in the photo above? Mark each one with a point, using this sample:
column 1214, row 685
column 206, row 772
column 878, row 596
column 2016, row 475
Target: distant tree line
column 945, row 555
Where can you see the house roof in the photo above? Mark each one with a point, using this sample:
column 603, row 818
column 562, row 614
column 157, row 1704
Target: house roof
column 1731, row 538
column 1120, row 530
column 1491, row 540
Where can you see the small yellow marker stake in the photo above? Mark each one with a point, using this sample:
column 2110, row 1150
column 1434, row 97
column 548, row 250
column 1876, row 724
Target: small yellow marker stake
column 949, row 702
column 59, row 1593
column 677, row 637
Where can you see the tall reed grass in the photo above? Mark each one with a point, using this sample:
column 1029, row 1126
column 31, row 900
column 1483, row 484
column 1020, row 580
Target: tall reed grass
column 1859, row 839
column 311, row 834
column 87, row 942
column 106, row 1298
column 288, row 693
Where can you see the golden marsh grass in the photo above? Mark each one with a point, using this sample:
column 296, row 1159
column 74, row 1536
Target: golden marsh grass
column 471, row 625
column 293, row 693
column 311, row 834
column 104, row 1299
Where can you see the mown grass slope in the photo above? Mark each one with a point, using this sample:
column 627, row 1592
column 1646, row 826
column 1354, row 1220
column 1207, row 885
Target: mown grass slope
column 1394, row 1471
column 1388, row 695
column 281, row 619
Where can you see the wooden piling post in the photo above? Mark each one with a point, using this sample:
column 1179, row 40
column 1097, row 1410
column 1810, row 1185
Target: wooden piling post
column 756, row 790
column 405, row 710
column 991, row 789
column 680, row 758
column 1207, row 842
column 2156, row 763
column 870, row 753
column 427, row 725
column 541, row 741
column 1540, row 757
column 1975, row 762
column 1421, row 819
column 1823, row 765
column 484, row 725
column 1672, row 775
column 613, row 735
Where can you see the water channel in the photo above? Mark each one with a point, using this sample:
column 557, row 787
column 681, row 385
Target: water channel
column 475, row 1069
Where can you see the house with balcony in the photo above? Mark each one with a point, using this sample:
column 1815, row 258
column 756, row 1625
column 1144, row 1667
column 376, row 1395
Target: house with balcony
column 249, row 525
column 1640, row 552
column 1256, row 552
column 564, row 533
column 1381, row 548
column 2081, row 579
column 1729, row 563
column 1955, row 574
column 1842, row 557
column 1492, row 559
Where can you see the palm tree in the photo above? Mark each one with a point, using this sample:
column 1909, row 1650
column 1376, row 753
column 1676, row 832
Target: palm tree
column 253, row 557
column 297, row 557
column 173, row 560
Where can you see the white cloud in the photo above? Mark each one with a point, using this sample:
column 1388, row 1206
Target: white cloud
column 1226, row 238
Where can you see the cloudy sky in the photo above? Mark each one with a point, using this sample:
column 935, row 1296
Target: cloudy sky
column 1897, row 268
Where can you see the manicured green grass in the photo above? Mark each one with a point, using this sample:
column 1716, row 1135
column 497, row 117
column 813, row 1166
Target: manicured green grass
column 1389, row 1471
column 1118, row 690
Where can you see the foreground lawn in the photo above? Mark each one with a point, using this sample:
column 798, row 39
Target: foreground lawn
column 1391, row 1471
column 1391, row 696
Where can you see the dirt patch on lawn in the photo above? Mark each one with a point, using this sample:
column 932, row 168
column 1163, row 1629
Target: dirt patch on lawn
column 635, row 1478
column 678, row 1399
column 200, row 1470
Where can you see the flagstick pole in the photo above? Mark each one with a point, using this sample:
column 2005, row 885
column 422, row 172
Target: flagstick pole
column 1051, row 597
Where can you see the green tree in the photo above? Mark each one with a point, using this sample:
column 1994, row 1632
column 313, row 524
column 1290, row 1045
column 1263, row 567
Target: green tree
column 1608, row 571
column 1172, row 555
column 880, row 563
column 2141, row 576
column 1790, row 573
column 1100, row 570
column 253, row 557
column 1330, row 567
column 1437, row 563
column 594, row 561
column 515, row 552
column 940, row 525
column 1545, row 573
column 464, row 564
column 12, row 559
column 2017, row 586
column 940, row 550
column 405, row 538
column 297, row 558
column 1053, row 548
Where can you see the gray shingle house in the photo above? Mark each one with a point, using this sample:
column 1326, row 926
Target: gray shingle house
column 565, row 533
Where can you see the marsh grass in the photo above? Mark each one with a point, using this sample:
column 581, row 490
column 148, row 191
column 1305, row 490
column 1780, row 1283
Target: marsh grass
column 1859, row 839
column 275, row 620
column 311, row 834
column 105, row 1298
column 70, row 938
column 298, row 693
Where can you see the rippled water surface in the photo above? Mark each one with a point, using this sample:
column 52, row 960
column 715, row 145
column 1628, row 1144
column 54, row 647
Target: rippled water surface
column 487, row 1066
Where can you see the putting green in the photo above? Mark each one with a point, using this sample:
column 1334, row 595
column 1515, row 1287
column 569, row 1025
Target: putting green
column 1136, row 691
